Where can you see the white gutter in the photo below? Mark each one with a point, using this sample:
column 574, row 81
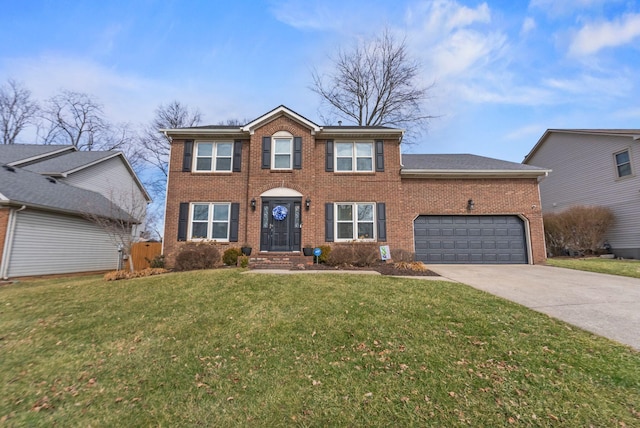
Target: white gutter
column 8, row 241
column 480, row 173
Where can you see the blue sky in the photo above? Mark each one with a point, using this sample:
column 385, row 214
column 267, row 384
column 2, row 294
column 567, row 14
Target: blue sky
column 504, row 71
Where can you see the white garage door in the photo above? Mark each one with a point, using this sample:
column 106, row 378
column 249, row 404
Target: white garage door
column 470, row 239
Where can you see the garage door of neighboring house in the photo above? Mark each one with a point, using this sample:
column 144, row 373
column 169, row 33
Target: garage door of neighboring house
column 46, row 243
column 470, row 239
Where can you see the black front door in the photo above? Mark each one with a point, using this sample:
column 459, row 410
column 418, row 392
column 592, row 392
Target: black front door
column 281, row 224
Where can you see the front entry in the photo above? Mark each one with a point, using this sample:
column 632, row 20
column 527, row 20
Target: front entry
column 281, row 224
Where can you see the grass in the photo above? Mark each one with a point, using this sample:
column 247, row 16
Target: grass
column 217, row 348
column 629, row 268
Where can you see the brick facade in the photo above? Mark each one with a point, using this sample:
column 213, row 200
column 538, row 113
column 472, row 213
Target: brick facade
column 405, row 198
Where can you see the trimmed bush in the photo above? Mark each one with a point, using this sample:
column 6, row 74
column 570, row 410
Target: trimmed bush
column 578, row 230
column 361, row 254
column 324, row 256
column 157, row 262
column 230, row 256
column 194, row 256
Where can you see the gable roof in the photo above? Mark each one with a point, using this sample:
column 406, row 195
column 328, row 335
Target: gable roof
column 20, row 154
column 630, row 133
column 69, row 163
column 277, row 112
column 465, row 165
column 19, row 187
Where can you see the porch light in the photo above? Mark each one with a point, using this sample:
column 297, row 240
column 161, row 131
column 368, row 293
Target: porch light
column 253, row 204
column 470, row 205
column 307, row 204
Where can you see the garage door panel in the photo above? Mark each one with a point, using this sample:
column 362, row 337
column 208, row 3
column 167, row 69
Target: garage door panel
column 470, row 239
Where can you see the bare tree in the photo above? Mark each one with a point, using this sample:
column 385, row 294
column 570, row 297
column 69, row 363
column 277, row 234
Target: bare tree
column 17, row 110
column 376, row 83
column 155, row 144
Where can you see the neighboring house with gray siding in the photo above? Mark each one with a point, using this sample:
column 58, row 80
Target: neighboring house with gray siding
column 47, row 194
column 594, row 167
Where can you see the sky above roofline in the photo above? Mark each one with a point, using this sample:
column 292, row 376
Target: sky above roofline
column 503, row 71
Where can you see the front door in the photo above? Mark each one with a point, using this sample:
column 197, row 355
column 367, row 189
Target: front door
column 281, row 224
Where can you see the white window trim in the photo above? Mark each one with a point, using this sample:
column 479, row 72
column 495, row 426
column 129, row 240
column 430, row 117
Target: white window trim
column 281, row 135
column 354, row 221
column 214, row 156
column 616, row 164
column 354, row 157
column 210, row 221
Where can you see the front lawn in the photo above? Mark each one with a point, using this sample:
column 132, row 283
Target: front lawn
column 219, row 348
column 595, row 264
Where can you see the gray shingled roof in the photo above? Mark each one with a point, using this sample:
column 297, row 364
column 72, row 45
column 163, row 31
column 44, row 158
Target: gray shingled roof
column 11, row 153
column 68, row 162
column 460, row 162
column 28, row 188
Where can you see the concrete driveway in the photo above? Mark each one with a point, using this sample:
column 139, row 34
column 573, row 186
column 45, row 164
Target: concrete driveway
column 607, row 305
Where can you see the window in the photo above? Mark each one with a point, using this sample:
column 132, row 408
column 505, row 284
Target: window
column 355, row 221
column 210, row 221
column 282, row 150
column 214, row 156
column 623, row 163
column 354, row 157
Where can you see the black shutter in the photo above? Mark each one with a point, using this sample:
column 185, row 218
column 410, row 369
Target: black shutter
column 382, row 222
column 379, row 156
column 266, row 152
column 233, row 222
column 187, row 155
column 328, row 222
column 329, row 157
column 237, row 155
column 183, row 221
column 297, row 152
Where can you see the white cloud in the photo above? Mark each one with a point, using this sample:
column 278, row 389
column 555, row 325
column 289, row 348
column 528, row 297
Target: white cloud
column 596, row 36
column 591, row 87
column 531, row 131
column 560, row 8
column 528, row 25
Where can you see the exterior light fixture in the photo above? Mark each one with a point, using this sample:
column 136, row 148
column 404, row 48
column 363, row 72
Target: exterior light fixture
column 253, row 204
column 307, row 204
column 470, row 205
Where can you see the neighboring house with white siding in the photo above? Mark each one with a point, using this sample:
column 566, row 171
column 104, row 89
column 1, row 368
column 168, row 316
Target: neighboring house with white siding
column 47, row 196
column 594, row 167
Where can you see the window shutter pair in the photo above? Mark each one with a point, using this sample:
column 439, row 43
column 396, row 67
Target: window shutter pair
column 381, row 222
column 297, row 152
column 379, row 156
column 187, row 156
column 183, row 221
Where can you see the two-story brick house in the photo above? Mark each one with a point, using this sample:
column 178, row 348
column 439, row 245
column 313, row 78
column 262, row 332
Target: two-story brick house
column 282, row 182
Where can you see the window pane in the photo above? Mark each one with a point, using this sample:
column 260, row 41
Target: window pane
column 344, row 149
column 199, row 230
column 283, row 146
column 224, row 149
column 265, row 216
column 219, row 231
column 221, row 212
column 365, row 164
column 365, row 230
column 345, row 230
column 344, row 164
column 363, row 149
column 622, row 157
column 205, row 149
column 223, row 164
column 282, row 161
column 297, row 216
column 201, row 212
column 624, row 170
column 203, row 164
column 365, row 212
column 345, row 213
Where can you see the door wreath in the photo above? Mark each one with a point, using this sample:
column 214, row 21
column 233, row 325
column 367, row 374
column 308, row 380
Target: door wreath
column 279, row 212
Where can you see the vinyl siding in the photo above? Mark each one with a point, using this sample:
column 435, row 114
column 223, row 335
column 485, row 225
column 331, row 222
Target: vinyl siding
column 584, row 173
column 46, row 243
column 113, row 180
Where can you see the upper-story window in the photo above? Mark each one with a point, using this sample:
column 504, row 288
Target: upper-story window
column 354, row 156
column 623, row 163
column 282, row 151
column 213, row 156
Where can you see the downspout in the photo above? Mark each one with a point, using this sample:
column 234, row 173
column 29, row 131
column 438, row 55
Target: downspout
column 166, row 191
column 8, row 242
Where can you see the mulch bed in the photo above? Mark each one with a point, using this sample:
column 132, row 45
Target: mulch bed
column 383, row 268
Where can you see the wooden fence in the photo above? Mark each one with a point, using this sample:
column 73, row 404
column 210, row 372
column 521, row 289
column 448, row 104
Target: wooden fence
column 143, row 252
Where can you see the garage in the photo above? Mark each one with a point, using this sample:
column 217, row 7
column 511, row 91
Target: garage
column 490, row 239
